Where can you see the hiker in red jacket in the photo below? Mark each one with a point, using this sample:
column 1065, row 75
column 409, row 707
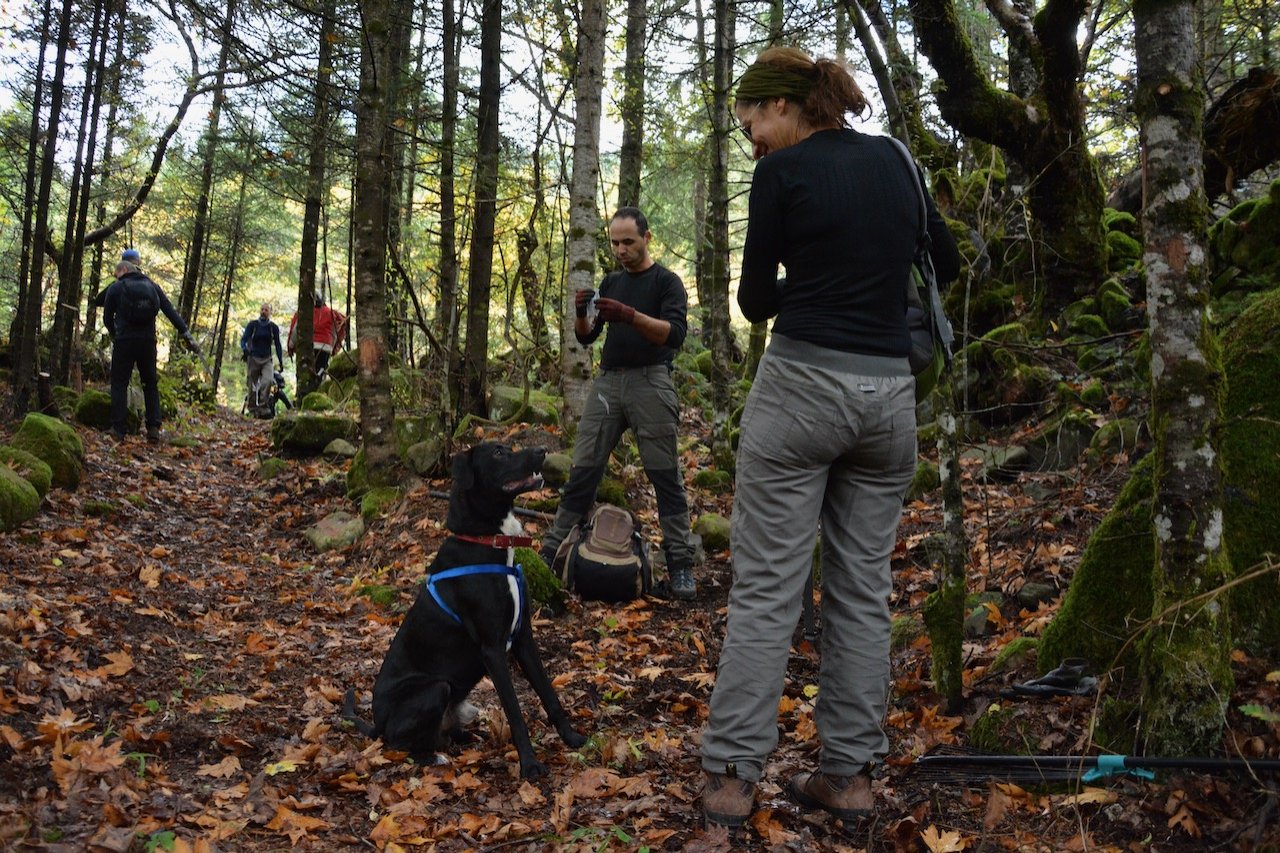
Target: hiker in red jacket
column 328, row 328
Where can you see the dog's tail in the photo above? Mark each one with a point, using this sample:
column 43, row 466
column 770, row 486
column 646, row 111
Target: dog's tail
column 349, row 714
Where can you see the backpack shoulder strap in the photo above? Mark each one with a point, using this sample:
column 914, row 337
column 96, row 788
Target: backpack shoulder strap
column 923, row 259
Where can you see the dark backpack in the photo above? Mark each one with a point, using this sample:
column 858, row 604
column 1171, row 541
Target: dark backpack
column 138, row 302
column 605, row 559
column 931, row 333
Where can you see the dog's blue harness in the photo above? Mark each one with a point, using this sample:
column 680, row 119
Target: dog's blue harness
column 515, row 576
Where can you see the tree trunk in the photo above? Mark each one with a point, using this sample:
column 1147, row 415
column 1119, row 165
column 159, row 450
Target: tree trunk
column 113, row 100
column 1186, row 671
column 631, row 157
column 447, row 307
column 317, row 188
column 224, row 308
column 66, row 314
column 200, row 224
column 584, row 218
column 27, row 362
column 1044, row 133
column 369, row 230
column 475, row 366
column 716, row 331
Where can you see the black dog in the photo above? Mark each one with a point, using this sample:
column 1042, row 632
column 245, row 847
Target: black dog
column 472, row 609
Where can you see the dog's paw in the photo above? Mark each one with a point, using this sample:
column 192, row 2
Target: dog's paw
column 533, row 769
column 572, row 738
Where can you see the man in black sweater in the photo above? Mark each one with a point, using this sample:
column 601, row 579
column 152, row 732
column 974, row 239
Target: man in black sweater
column 646, row 308
column 129, row 312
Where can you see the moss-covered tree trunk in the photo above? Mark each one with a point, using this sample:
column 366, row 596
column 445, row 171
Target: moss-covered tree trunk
column 944, row 608
column 369, row 234
column 1186, row 676
column 1043, row 132
column 584, row 216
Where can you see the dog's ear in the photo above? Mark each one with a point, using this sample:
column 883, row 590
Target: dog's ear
column 463, row 479
column 463, row 476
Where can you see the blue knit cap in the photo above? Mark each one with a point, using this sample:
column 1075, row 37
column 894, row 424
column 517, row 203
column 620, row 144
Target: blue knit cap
column 130, row 255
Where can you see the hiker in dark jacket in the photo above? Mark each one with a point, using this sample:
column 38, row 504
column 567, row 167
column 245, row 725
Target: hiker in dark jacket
column 255, row 345
column 129, row 313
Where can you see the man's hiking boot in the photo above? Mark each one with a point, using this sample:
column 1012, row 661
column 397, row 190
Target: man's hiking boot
column 726, row 799
column 846, row 797
column 683, row 586
column 547, row 555
column 153, row 434
column 119, row 434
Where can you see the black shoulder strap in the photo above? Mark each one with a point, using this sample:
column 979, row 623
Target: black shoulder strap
column 924, row 259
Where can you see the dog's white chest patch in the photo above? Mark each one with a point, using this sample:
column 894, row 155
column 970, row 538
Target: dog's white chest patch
column 513, row 589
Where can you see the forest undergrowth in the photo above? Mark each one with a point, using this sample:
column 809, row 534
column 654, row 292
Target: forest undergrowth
column 173, row 656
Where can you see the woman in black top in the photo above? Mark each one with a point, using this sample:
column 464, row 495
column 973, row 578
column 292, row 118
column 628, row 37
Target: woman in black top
column 828, row 434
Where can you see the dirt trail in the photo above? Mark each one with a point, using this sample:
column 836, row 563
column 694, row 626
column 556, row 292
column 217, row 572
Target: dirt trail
column 173, row 655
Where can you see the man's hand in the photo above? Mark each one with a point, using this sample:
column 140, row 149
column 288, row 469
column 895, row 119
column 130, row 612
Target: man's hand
column 191, row 341
column 613, row 311
column 582, row 299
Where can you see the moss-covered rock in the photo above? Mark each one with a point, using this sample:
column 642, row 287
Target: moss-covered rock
column 93, row 409
column 1123, row 251
column 714, row 530
column 1089, row 326
column 611, row 491
column 506, row 403
column 308, row 433
column 316, row 401
column 1250, row 448
column 344, row 365
column 544, row 587
column 19, row 500
column 555, row 469
column 426, row 457
column 272, row 467
column 65, row 398
column 926, row 479
column 54, row 443
column 415, row 429
column 378, row 500
column 713, row 480
column 1111, row 589
column 28, row 467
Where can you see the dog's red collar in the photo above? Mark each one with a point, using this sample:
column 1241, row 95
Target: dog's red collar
column 499, row 541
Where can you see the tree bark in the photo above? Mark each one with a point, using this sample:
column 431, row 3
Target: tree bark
column 718, row 334
column 631, row 156
column 475, row 363
column 200, row 223
column 317, row 190
column 1186, row 671
column 369, row 234
column 584, row 217
column 447, row 307
column 27, row 363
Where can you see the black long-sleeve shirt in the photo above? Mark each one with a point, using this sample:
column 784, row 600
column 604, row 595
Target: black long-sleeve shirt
column 121, row 328
column 841, row 213
column 657, row 292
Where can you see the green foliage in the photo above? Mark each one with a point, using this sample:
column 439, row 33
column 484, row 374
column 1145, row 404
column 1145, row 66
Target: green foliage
column 544, row 587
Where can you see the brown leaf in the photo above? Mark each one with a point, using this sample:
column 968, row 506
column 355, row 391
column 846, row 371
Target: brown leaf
column 224, row 769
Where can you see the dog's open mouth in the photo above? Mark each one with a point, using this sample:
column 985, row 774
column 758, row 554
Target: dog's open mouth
column 528, row 484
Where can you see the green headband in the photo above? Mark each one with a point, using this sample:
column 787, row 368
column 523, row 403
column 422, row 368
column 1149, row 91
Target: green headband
column 762, row 82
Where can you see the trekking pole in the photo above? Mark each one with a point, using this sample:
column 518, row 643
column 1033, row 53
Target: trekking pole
column 971, row 766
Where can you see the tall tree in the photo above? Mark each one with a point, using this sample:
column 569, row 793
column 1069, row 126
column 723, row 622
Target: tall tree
column 1186, row 658
column 584, row 218
column 719, row 335
column 315, row 194
column 1044, row 132
column 475, row 361
column 369, row 227
column 631, row 155
column 66, row 316
column 200, row 223
column 447, row 307
column 24, row 377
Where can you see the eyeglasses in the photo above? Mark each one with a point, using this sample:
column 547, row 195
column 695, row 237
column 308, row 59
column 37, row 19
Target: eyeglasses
column 745, row 126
